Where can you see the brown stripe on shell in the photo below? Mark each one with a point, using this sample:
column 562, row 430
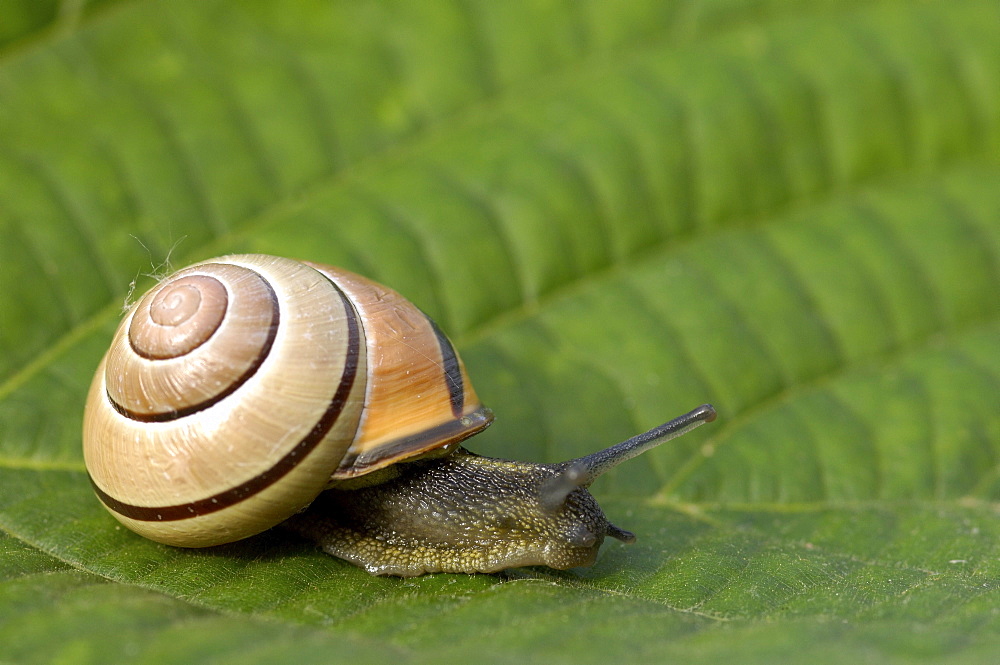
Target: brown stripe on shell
column 452, row 370
column 282, row 467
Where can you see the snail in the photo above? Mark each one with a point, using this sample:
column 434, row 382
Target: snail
column 251, row 390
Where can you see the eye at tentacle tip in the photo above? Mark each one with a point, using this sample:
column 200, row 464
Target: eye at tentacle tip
column 705, row 413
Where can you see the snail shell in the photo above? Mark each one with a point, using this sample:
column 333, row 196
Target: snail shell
column 238, row 388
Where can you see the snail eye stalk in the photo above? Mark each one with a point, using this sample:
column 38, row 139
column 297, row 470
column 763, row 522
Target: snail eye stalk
column 595, row 464
column 583, row 471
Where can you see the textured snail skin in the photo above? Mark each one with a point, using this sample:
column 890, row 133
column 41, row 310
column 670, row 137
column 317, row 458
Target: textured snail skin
column 238, row 388
column 487, row 516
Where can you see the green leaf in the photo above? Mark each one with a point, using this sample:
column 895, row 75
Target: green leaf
column 618, row 211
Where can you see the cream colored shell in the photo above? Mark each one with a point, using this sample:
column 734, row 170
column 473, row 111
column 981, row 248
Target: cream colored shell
column 237, row 388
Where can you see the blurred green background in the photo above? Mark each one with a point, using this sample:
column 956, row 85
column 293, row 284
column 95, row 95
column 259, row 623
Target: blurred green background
column 617, row 211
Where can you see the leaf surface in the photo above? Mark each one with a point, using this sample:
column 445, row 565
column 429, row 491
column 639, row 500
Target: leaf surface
column 787, row 209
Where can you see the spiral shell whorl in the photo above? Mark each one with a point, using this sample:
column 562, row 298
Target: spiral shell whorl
column 192, row 340
column 178, row 317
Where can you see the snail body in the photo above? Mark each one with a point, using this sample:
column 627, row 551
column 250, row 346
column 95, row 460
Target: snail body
column 239, row 389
